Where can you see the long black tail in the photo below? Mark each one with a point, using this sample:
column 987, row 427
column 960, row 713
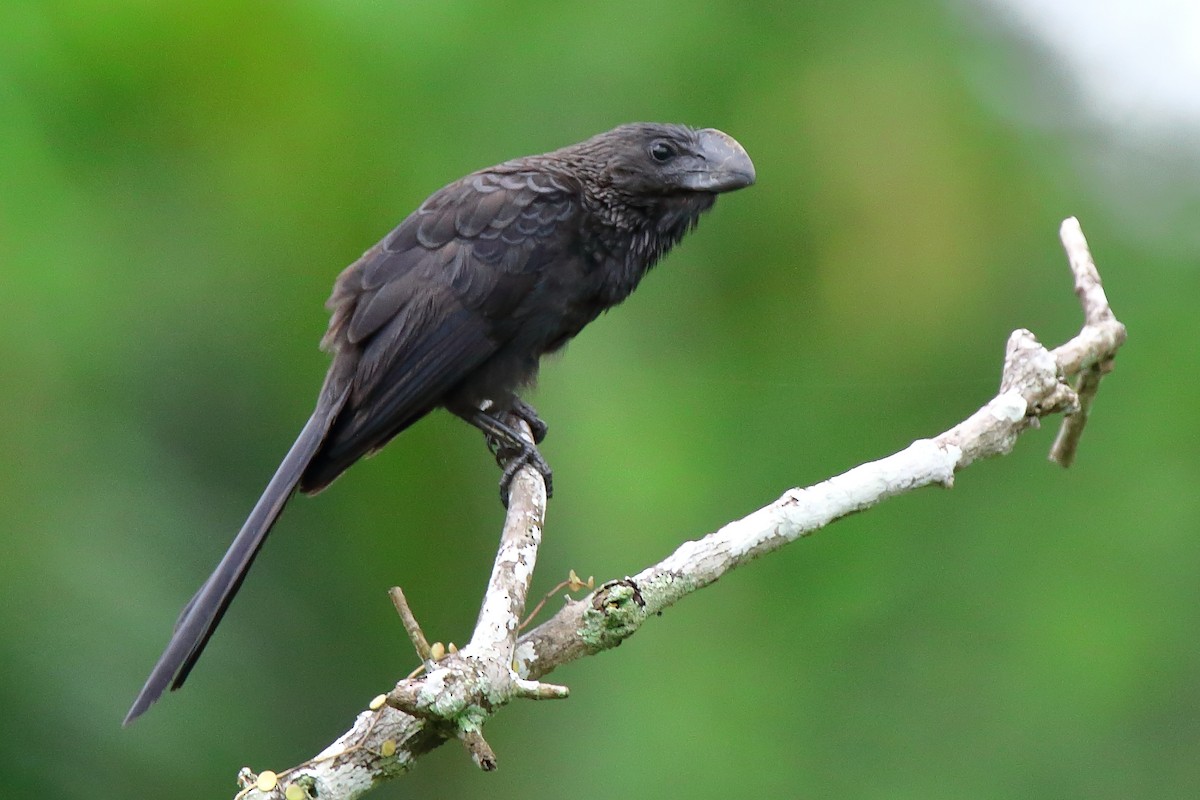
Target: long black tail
column 200, row 616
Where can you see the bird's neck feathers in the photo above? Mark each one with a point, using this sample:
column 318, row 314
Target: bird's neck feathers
column 638, row 236
column 627, row 228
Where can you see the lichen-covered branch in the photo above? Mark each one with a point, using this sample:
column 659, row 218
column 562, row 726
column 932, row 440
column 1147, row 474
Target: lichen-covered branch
column 1033, row 384
column 458, row 693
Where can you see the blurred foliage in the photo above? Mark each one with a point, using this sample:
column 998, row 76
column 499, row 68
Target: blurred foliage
column 180, row 183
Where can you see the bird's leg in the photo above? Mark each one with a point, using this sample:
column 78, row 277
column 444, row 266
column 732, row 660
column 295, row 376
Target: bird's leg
column 512, row 450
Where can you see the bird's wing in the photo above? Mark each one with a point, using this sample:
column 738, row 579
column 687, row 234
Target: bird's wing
column 433, row 301
column 411, row 318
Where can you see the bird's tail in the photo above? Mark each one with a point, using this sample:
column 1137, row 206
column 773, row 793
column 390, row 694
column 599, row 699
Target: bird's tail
column 202, row 613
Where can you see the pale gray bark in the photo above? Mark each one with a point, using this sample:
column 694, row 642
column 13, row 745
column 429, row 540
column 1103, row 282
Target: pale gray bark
column 459, row 692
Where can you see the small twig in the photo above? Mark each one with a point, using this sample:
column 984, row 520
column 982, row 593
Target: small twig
column 1088, row 288
column 1066, row 443
column 481, row 752
column 536, row 690
column 572, row 581
column 415, row 634
column 1090, row 355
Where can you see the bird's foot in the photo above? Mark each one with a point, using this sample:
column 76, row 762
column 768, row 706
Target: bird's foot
column 523, row 411
column 512, row 450
column 512, row 459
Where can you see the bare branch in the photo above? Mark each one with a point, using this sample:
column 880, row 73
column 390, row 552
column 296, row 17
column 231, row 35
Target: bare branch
column 1091, row 353
column 457, row 693
column 464, row 689
column 411, row 626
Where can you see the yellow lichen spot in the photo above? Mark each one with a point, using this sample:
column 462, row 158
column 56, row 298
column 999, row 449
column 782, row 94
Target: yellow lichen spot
column 294, row 792
column 388, row 748
column 437, row 651
column 267, row 781
column 377, row 702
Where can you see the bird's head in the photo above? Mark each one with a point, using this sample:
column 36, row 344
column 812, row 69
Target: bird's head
column 652, row 159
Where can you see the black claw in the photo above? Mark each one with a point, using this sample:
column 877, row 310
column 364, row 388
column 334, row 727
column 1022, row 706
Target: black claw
column 523, row 411
column 512, row 459
column 511, row 449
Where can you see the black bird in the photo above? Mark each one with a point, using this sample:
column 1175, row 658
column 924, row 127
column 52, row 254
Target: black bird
column 455, row 307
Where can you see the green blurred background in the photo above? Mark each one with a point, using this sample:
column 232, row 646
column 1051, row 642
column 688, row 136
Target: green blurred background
column 179, row 185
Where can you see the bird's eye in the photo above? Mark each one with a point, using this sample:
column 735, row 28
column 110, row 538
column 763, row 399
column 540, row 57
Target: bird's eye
column 662, row 151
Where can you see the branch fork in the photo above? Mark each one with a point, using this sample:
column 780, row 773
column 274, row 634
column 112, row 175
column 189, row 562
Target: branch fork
column 461, row 690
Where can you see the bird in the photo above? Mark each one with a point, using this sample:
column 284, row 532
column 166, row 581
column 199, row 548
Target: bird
column 455, row 307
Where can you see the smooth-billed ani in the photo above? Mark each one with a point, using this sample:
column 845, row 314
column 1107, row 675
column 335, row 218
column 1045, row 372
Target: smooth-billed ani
column 455, row 307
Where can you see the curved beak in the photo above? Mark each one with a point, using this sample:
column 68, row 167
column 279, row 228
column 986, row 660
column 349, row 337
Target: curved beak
column 726, row 165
